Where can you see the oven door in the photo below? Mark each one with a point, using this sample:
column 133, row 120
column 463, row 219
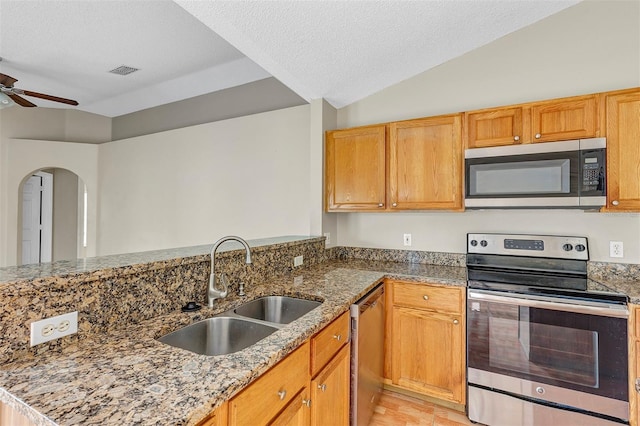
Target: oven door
column 561, row 353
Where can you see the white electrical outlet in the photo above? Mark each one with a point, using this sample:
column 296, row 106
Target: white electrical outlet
column 298, row 260
column 327, row 236
column 616, row 249
column 54, row 328
column 407, row 239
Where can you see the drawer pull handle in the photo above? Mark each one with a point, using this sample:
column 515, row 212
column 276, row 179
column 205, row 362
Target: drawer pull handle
column 425, row 297
column 337, row 337
column 456, row 322
column 282, row 394
column 306, row 402
column 322, row 387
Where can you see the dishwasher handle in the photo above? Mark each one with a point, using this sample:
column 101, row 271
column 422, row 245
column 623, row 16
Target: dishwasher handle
column 369, row 301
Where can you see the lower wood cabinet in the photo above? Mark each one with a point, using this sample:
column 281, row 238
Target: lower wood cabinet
column 273, row 391
column 425, row 339
column 330, row 391
column 311, row 386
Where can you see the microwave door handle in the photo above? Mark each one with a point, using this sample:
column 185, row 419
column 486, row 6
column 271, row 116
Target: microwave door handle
column 607, row 310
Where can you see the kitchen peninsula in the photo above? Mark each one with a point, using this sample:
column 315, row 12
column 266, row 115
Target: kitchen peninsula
column 114, row 371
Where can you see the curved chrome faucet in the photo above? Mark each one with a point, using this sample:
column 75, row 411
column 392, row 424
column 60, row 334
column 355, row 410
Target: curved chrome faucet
column 213, row 292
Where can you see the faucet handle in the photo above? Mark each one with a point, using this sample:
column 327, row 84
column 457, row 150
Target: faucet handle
column 241, row 290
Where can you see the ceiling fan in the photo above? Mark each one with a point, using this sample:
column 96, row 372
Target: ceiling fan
column 7, row 88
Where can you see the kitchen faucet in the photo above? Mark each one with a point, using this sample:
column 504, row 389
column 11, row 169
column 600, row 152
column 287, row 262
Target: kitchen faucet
column 213, row 292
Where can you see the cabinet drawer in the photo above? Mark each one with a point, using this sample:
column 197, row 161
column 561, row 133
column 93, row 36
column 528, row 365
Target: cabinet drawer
column 425, row 296
column 327, row 342
column 265, row 397
column 637, row 317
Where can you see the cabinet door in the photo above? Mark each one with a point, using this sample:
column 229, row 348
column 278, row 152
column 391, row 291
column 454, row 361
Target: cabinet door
column 564, row 119
column 425, row 163
column 271, row 392
column 296, row 413
column 497, row 127
column 428, row 353
column 355, row 169
column 623, row 152
column 330, row 392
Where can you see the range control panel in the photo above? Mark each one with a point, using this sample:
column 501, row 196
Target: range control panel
column 553, row 246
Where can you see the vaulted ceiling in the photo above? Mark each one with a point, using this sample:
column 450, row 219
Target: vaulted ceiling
column 342, row 51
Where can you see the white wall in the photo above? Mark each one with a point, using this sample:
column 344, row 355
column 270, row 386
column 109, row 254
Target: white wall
column 247, row 176
column 591, row 47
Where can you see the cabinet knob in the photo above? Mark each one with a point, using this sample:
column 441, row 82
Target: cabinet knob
column 380, row 204
column 538, row 135
column 322, row 387
column 282, row 394
column 306, row 402
column 638, row 385
column 456, row 322
column 395, row 204
column 516, row 138
column 615, row 202
column 337, row 337
column 425, row 297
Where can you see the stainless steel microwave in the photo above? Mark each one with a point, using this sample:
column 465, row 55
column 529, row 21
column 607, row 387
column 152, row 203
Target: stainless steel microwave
column 550, row 174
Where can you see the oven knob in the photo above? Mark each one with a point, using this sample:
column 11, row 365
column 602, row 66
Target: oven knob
column 483, row 243
column 580, row 247
column 567, row 247
column 473, row 243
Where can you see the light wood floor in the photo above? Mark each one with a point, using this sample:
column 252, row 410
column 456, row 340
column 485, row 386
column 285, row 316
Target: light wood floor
column 396, row 409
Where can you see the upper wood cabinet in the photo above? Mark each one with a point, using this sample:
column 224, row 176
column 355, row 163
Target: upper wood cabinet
column 420, row 167
column 495, row 127
column 425, row 163
column 623, row 151
column 355, row 172
column 546, row 121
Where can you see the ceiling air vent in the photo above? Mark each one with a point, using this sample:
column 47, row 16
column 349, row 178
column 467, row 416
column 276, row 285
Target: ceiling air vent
column 123, row 70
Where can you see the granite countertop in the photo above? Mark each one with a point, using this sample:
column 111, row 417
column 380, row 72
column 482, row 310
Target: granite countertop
column 128, row 377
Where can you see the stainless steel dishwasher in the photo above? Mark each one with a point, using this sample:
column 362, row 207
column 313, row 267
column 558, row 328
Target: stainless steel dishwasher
column 367, row 355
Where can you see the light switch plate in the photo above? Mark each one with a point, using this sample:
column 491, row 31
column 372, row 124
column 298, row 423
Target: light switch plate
column 53, row 328
column 298, row 260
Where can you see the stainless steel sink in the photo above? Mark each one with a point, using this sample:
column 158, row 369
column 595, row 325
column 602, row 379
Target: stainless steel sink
column 218, row 335
column 276, row 309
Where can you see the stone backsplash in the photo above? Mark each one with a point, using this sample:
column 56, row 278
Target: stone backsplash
column 114, row 297
column 393, row 255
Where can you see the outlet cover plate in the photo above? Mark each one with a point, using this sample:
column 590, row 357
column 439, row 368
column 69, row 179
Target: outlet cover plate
column 298, row 260
column 616, row 249
column 54, row 327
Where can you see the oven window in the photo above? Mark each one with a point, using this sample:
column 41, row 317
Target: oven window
column 554, row 352
column 522, row 177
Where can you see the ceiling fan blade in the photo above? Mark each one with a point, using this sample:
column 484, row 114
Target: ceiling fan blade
column 7, row 80
column 20, row 101
column 49, row 97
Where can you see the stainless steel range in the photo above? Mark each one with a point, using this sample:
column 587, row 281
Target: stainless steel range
column 544, row 346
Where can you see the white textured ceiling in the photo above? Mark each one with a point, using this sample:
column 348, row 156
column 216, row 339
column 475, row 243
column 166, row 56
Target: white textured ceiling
column 342, row 51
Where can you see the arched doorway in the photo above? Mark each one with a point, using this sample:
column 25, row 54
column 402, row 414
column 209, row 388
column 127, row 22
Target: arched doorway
column 52, row 219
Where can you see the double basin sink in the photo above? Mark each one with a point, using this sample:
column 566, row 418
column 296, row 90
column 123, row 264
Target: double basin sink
column 239, row 328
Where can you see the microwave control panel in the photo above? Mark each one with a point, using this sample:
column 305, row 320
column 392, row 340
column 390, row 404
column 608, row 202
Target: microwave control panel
column 592, row 168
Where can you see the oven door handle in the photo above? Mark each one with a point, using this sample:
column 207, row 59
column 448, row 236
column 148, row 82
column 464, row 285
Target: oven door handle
column 607, row 310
